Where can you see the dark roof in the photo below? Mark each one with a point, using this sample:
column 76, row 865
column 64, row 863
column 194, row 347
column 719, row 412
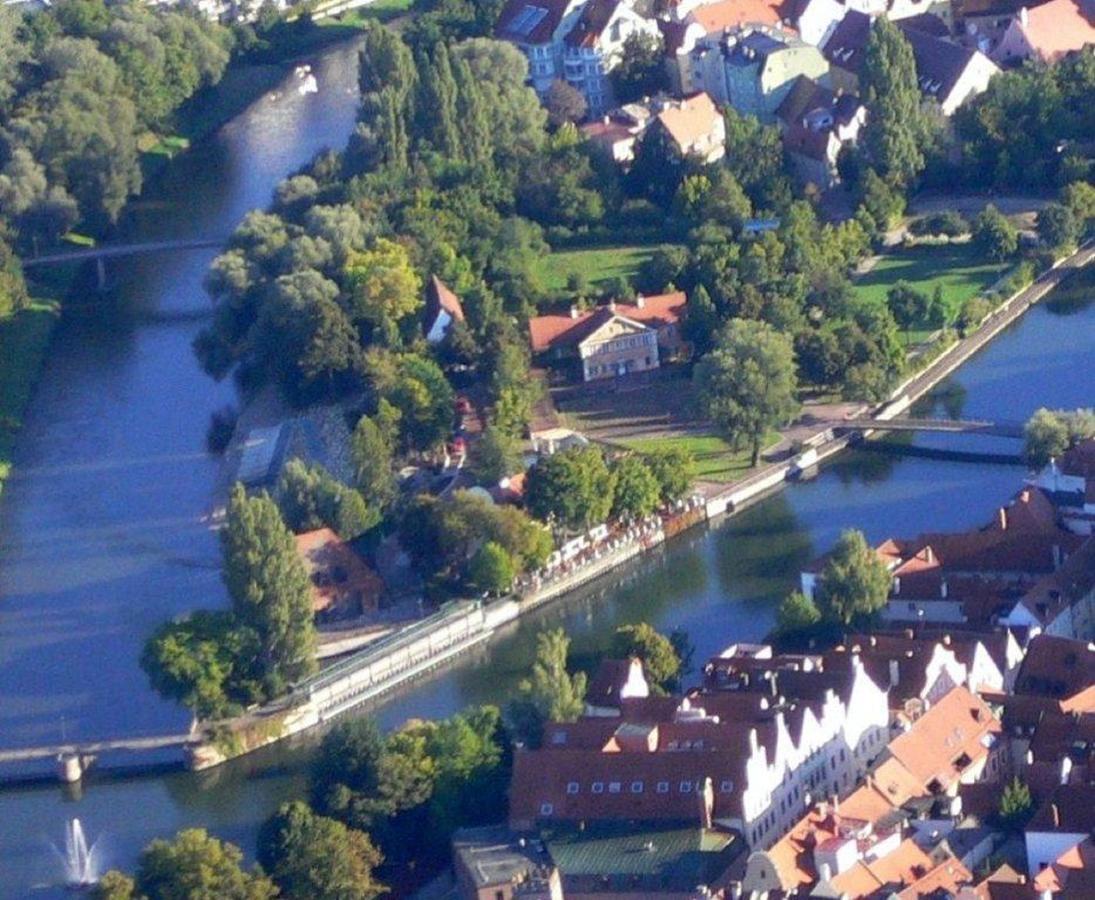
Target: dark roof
column 846, row 45
column 1056, row 667
column 927, row 23
column 939, row 63
column 755, row 45
column 530, row 21
column 805, row 95
column 593, row 20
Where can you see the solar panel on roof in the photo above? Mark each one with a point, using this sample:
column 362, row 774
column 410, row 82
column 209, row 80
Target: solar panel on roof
column 527, row 19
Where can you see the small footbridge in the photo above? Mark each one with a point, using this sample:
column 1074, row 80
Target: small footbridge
column 99, row 255
column 953, row 426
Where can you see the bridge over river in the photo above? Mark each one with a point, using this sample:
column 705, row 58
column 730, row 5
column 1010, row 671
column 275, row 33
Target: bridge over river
column 953, row 426
column 99, row 255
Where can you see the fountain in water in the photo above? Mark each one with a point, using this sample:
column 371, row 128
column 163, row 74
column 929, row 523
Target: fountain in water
column 81, row 869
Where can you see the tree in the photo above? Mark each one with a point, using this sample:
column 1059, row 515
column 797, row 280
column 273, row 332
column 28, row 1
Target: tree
column 564, row 103
column 551, row 693
column 1016, row 805
column 641, row 69
column 854, row 582
column 492, row 569
column 346, row 765
column 746, row 385
column 115, row 885
column 908, row 305
column 883, row 203
column 574, row 487
column 310, row 856
column 672, row 468
column 1057, row 227
column 309, row 498
column 897, row 129
column 196, row 866
column 994, row 234
column 373, row 453
column 208, row 661
column 1045, row 437
column 636, row 491
column 385, row 288
column 797, row 613
column 661, row 664
column 415, row 386
column 269, row 587
column 496, row 455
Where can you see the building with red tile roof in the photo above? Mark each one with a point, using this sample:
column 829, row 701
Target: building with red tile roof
column 1045, row 33
column 443, row 309
column 342, row 584
column 615, row 339
column 695, row 127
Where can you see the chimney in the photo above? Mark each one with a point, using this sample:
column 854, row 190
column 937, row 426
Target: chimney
column 1066, row 769
column 640, row 301
column 1024, row 17
column 574, row 312
column 1056, row 813
column 946, row 640
column 834, row 802
column 943, row 588
column 895, row 672
column 896, row 585
column 825, row 872
column 612, row 305
column 608, row 120
column 929, row 554
column 1002, row 518
column 753, row 741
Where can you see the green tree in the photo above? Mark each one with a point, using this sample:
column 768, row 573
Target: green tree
column 492, row 570
column 208, row 661
column 317, row 858
column 637, row 490
column 908, row 306
column 897, row 130
column 1016, row 805
column 496, row 455
column 747, row 385
column 551, row 693
column 1057, row 227
column 994, row 234
column 574, row 487
column 415, row 386
column 641, row 70
column 384, row 286
column 309, row 498
column 796, row 614
column 564, row 103
column 373, row 452
column 1045, row 437
column 672, row 468
column 346, row 765
column 269, row 587
column 661, row 664
column 115, row 885
column 196, row 866
column 883, row 203
column 854, row 582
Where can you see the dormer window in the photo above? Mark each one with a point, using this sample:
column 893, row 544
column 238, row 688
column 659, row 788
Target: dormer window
column 686, row 787
column 572, row 787
column 546, row 809
column 598, row 787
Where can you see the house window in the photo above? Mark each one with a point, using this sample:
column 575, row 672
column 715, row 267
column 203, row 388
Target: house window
column 686, row 787
column 663, row 787
column 636, row 787
column 598, row 787
column 572, row 787
column 546, row 809
column 726, row 786
column 614, row 787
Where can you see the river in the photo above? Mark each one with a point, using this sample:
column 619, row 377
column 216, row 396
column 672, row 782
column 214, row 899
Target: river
column 102, row 535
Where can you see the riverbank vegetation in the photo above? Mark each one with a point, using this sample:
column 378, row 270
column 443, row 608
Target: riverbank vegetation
column 1049, row 434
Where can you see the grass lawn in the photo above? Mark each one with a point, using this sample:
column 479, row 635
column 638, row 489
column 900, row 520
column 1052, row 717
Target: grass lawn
column 600, row 265
column 379, row 10
column 715, row 460
column 24, row 339
column 957, row 268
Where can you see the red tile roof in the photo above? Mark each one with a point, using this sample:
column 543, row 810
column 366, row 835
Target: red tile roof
column 557, row 329
column 1056, row 667
column 1057, row 28
column 439, row 297
column 730, row 14
column 340, row 578
column 691, row 119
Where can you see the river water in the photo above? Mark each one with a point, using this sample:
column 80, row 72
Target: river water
column 102, row 538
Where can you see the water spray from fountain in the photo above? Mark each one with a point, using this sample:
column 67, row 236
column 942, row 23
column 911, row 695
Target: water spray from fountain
column 81, row 865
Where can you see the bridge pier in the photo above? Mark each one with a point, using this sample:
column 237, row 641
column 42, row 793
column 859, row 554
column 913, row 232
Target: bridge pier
column 72, row 766
column 100, row 273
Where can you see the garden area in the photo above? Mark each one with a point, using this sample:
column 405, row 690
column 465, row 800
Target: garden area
column 599, row 267
column 713, row 458
column 959, row 271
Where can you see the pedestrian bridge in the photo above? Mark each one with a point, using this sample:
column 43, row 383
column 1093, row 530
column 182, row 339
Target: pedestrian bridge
column 113, row 251
column 953, row 426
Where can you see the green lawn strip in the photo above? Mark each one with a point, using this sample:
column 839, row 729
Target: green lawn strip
column 714, row 459
column 379, row 11
column 599, row 265
column 24, row 340
column 958, row 268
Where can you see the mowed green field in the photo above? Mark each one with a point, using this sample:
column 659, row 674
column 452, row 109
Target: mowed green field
column 713, row 458
column 599, row 265
column 958, row 268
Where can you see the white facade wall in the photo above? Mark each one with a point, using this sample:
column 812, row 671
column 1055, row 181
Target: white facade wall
column 973, row 81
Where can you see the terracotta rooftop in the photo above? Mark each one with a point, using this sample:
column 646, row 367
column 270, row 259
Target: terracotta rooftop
column 591, row 23
column 1072, row 874
column 559, row 329
column 691, row 119
column 731, row 14
column 1053, row 30
column 1056, row 667
column 955, row 733
column 1080, row 460
column 439, row 297
column 340, row 578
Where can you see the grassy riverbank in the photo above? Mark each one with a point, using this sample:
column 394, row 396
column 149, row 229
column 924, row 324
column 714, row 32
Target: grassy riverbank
column 24, row 342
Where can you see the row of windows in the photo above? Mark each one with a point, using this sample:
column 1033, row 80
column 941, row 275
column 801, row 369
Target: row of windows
column 726, row 786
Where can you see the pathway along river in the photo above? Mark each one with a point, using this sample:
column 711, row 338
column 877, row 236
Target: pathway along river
column 102, row 536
